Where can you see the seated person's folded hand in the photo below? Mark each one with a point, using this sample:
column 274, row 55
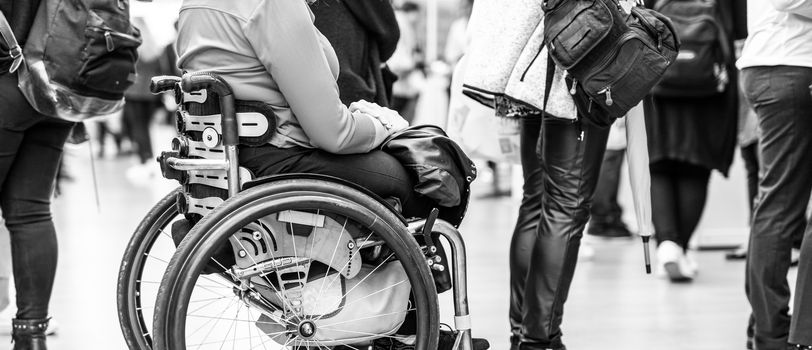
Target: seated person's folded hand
column 389, row 118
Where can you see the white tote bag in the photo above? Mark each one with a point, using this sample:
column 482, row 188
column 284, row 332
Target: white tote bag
column 475, row 128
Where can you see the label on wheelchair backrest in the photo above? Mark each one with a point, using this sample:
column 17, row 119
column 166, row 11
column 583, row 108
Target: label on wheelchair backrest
column 197, row 96
column 249, row 124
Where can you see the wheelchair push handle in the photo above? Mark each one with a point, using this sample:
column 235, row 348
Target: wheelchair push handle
column 209, row 81
column 163, row 83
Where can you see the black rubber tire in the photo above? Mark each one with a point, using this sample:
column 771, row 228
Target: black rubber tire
column 128, row 299
column 214, row 229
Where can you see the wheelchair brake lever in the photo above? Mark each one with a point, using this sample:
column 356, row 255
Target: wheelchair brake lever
column 427, row 228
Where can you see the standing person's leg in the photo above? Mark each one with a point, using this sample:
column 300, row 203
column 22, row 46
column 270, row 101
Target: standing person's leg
column 606, row 215
column 5, row 267
column 780, row 97
column 146, row 110
column 801, row 325
column 692, row 193
column 750, row 157
column 665, row 216
column 136, row 118
column 26, row 205
column 571, row 153
column 664, row 202
column 524, row 234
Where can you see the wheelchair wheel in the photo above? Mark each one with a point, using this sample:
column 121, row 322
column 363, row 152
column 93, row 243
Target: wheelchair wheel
column 144, row 262
column 297, row 264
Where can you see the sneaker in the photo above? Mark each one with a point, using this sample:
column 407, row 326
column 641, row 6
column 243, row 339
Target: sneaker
column 671, row 260
column 739, row 253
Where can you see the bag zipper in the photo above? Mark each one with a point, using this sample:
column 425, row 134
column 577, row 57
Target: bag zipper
column 109, row 34
column 607, row 90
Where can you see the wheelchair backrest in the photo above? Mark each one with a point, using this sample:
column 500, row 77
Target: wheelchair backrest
column 199, row 136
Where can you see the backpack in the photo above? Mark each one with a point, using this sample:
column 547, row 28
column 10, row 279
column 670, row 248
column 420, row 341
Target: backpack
column 612, row 59
column 701, row 65
column 79, row 58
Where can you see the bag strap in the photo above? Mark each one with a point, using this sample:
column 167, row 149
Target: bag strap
column 548, row 83
column 14, row 49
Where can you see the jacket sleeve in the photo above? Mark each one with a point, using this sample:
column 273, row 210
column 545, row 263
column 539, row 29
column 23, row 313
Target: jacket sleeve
column 800, row 7
column 378, row 18
column 287, row 43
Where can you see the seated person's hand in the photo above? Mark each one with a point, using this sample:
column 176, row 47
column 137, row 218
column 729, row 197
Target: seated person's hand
column 390, row 119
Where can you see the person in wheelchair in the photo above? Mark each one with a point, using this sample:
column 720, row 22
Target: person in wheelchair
column 270, row 51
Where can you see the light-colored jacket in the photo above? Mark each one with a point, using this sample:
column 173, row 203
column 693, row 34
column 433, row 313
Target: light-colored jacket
column 507, row 56
column 270, row 51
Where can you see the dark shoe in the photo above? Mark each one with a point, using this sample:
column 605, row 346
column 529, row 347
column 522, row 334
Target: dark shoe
column 618, row 230
column 799, row 347
column 738, row 254
column 447, row 339
column 530, row 346
column 446, row 342
column 515, row 340
column 388, row 343
column 29, row 334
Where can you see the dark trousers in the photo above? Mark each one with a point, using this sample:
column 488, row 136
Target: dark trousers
column 750, row 157
column 781, row 98
column 605, row 209
column 561, row 163
column 136, row 118
column 30, row 150
column 678, row 194
column 377, row 171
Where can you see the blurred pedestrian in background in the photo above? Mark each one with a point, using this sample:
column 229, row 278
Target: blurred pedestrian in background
column 606, row 215
column 691, row 134
column 776, row 69
column 141, row 105
column 407, row 62
column 364, row 35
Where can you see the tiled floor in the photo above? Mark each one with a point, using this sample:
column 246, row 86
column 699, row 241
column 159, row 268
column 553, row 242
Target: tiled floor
column 612, row 304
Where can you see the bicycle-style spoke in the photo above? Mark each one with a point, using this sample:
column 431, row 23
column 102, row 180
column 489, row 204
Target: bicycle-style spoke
column 383, row 262
column 352, row 256
column 217, row 319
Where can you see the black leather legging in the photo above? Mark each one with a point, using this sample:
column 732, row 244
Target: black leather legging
column 561, row 161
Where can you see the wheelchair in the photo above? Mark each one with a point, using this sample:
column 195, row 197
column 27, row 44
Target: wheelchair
column 289, row 261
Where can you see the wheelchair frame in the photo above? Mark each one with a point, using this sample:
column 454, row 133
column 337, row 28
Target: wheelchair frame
column 208, row 82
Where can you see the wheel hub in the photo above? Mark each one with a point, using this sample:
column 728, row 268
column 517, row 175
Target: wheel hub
column 307, row 329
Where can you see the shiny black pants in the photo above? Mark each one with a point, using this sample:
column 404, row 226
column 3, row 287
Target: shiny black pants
column 30, row 150
column 780, row 96
column 561, row 163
